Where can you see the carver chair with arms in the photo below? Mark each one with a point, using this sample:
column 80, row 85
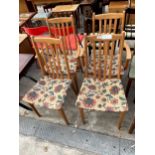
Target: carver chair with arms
column 110, row 23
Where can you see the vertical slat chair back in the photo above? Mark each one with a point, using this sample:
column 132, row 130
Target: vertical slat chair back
column 108, row 22
column 50, row 55
column 63, row 26
column 106, row 45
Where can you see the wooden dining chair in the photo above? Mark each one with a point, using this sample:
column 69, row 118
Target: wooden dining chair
column 64, row 27
column 108, row 23
column 51, row 89
column 111, row 23
column 100, row 91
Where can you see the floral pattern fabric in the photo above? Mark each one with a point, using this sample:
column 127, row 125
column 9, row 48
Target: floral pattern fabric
column 48, row 92
column 114, row 65
column 105, row 95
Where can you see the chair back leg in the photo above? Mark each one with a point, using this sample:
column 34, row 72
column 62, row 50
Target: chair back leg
column 63, row 115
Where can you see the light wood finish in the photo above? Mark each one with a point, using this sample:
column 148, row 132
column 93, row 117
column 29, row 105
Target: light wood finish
column 23, row 6
column 63, row 23
column 121, row 118
column 81, row 111
column 106, row 49
column 49, row 53
column 65, row 8
column 118, row 7
column 128, row 55
column 108, row 22
column 35, row 110
column 47, row 57
column 106, row 52
column 63, row 115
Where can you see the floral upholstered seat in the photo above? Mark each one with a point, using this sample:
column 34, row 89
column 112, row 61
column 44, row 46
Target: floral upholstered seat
column 48, row 92
column 105, row 95
column 114, row 65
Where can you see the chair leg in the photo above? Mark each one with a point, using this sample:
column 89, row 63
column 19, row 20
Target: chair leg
column 74, row 87
column 132, row 126
column 128, row 87
column 35, row 110
column 121, row 118
column 76, row 82
column 63, row 115
column 82, row 115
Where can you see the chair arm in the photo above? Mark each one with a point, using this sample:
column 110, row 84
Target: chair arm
column 80, row 52
column 128, row 55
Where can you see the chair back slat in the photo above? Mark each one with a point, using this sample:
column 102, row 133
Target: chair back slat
column 65, row 28
column 94, row 56
column 51, row 56
column 102, row 58
column 112, row 22
column 106, row 47
column 112, row 52
column 100, row 52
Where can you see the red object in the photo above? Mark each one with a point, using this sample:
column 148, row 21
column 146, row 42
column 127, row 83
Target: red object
column 36, row 31
column 70, row 38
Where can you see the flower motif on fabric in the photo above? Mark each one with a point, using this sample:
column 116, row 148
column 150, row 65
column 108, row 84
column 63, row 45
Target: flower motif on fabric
column 58, row 88
column 46, row 104
column 92, row 87
column 110, row 109
column 89, row 103
column 114, row 90
column 52, row 98
column 42, row 82
column 114, row 101
column 32, row 95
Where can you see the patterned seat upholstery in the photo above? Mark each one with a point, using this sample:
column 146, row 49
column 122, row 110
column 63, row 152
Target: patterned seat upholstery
column 114, row 65
column 105, row 95
column 48, row 92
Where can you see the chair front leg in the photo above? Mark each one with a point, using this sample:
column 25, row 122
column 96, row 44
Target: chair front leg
column 76, row 83
column 35, row 110
column 82, row 115
column 121, row 118
column 63, row 115
column 132, row 126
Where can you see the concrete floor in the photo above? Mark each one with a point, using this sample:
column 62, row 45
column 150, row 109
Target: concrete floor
column 32, row 145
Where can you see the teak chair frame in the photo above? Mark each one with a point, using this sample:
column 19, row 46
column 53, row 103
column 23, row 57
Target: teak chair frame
column 113, row 23
column 64, row 23
column 106, row 49
column 46, row 57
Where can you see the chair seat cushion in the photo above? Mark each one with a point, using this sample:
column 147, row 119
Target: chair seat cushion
column 48, row 92
column 114, row 65
column 105, row 95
